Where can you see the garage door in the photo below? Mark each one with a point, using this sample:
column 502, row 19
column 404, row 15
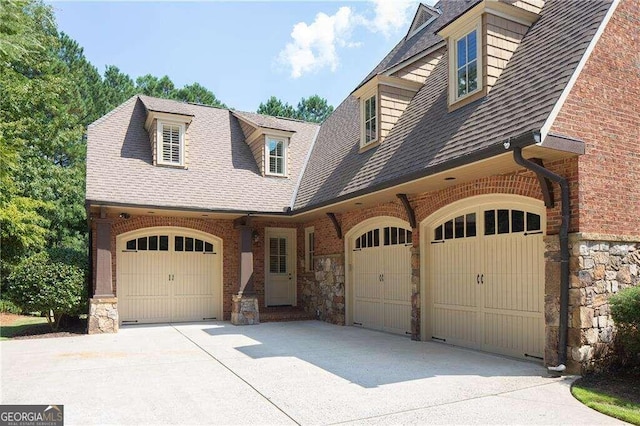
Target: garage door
column 381, row 262
column 168, row 276
column 487, row 279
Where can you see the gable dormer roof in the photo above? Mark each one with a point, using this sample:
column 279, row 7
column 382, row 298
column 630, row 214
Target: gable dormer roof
column 423, row 17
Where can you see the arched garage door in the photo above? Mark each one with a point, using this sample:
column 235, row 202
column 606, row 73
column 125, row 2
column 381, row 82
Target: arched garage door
column 380, row 259
column 486, row 274
column 168, row 275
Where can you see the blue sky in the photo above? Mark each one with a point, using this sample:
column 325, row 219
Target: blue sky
column 242, row 51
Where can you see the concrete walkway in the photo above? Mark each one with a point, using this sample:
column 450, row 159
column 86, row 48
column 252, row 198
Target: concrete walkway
column 279, row 373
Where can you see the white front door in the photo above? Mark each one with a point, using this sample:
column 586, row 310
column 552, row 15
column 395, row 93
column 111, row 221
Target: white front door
column 280, row 267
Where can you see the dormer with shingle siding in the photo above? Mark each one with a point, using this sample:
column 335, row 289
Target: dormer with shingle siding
column 480, row 43
column 269, row 141
column 168, row 137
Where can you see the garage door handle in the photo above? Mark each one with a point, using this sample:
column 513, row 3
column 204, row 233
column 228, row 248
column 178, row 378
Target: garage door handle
column 481, row 278
column 478, row 279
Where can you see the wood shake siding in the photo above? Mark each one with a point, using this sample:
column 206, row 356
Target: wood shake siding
column 247, row 129
column 393, row 102
column 421, row 69
column 257, row 149
column 502, row 39
column 534, row 6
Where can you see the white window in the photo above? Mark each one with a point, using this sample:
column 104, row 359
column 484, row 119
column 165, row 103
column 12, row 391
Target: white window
column 171, row 144
column 309, row 244
column 276, row 156
column 369, row 120
column 467, row 64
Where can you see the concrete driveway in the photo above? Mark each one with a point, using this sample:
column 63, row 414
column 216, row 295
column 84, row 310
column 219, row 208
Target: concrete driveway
column 279, row 373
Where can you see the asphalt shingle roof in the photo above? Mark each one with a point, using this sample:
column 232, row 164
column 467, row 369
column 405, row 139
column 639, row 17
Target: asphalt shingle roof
column 222, row 173
column 427, row 137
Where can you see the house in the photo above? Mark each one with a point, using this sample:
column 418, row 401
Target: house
column 478, row 187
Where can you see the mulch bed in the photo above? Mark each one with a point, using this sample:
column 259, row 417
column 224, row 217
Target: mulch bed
column 69, row 327
column 623, row 384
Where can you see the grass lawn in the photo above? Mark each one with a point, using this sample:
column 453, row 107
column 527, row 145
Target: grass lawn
column 614, row 394
column 13, row 325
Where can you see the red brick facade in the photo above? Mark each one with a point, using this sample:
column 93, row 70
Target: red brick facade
column 603, row 109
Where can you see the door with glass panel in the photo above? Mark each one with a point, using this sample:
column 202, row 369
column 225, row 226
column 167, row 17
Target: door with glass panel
column 486, row 271
column 280, row 267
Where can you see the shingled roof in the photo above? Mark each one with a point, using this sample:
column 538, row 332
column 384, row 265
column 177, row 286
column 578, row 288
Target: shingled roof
column 427, row 138
column 222, row 174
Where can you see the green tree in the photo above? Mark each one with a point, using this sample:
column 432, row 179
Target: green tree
column 153, row 86
column 314, row 109
column 42, row 119
column 117, row 86
column 51, row 282
column 196, row 93
column 276, row 108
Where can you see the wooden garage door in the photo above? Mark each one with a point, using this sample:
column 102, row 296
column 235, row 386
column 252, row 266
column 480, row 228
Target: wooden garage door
column 382, row 279
column 487, row 280
column 168, row 276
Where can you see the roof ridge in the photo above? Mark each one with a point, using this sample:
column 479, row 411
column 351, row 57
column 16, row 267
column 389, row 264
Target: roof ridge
column 278, row 117
column 184, row 102
column 113, row 111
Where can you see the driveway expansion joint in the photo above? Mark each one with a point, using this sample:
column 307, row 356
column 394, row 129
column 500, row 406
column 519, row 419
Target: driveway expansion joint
column 266, row 398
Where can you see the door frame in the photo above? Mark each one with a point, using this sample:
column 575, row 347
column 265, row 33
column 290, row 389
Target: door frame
column 349, row 238
column 123, row 237
column 479, row 201
column 292, row 234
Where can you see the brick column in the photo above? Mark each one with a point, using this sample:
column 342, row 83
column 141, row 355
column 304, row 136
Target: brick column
column 103, row 306
column 104, row 278
column 245, row 309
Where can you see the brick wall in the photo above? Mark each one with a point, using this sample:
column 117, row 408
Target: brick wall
column 603, row 109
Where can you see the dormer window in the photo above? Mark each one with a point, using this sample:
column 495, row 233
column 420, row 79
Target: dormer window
column 171, row 148
column 370, row 120
column 467, row 64
column 168, row 137
column 276, row 155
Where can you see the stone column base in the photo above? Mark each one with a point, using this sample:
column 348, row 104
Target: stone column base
column 103, row 315
column 245, row 310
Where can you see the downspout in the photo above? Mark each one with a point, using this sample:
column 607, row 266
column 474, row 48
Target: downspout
column 564, row 252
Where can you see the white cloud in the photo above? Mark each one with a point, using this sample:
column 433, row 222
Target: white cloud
column 391, row 15
column 315, row 46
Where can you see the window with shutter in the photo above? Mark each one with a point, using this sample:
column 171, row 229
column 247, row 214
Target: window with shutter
column 276, row 156
column 171, row 145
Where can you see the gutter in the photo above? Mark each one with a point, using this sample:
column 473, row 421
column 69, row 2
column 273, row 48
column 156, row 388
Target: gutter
column 564, row 250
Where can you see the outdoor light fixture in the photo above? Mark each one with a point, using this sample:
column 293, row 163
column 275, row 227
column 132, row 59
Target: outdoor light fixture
column 124, row 216
column 255, row 236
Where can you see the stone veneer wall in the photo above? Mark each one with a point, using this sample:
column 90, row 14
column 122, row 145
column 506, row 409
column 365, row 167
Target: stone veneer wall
column 323, row 291
column 600, row 266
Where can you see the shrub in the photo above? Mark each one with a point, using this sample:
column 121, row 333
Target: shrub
column 625, row 311
column 7, row 306
column 50, row 282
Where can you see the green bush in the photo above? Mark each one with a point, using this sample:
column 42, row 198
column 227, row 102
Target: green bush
column 625, row 311
column 7, row 306
column 51, row 282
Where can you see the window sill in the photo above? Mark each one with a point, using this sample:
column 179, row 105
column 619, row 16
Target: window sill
column 171, row 166
column 368, row 146
column 276, row 175
column 459, row 103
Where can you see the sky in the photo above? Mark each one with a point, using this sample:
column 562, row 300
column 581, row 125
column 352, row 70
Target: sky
column 244, row 52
